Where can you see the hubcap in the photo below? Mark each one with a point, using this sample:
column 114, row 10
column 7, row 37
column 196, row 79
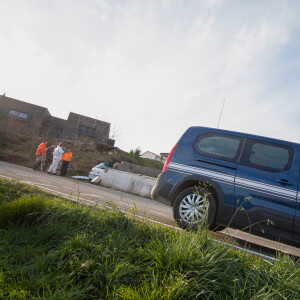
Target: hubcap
column 193, row 209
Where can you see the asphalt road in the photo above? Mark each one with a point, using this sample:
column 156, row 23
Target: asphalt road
column 85, row 192
column 142, row 208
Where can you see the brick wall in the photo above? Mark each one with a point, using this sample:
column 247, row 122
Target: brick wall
column 83, row 128
column 18, row 117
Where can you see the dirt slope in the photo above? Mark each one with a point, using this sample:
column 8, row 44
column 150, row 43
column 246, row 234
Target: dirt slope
column 21, row 150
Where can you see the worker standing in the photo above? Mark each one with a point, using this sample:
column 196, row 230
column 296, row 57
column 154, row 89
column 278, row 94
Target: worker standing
column 40, row 156
column 57, row 154
column 66, row 158
column 49, row 157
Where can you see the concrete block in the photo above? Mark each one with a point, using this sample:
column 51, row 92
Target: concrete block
column 127, row 182
column 96, row 180
column 137, row 169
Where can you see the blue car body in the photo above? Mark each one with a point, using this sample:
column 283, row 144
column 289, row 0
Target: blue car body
column 254, row 180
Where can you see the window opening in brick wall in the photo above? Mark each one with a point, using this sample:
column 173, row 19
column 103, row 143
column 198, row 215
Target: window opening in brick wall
column 86, row 130
column 18, row 114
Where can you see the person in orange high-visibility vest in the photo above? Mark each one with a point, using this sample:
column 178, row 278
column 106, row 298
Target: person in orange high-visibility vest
column 66, row 158
column 40, row 156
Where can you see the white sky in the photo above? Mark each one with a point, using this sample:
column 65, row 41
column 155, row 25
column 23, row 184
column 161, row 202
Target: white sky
column 154, row 68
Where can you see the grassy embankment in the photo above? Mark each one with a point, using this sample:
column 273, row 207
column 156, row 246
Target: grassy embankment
column 52, row 248
column 21, row 150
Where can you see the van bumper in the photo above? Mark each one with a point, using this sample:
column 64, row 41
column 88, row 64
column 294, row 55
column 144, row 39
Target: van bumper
column 161, row 190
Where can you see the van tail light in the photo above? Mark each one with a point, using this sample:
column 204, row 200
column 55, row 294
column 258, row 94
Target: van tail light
column 169, row 158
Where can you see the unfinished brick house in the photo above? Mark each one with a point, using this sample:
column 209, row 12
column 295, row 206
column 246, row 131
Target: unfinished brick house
column 19, row 117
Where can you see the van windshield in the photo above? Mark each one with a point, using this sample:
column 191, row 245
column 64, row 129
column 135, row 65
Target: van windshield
column 101, row 166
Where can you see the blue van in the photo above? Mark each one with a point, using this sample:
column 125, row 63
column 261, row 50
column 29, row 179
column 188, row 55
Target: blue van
column 224, row 178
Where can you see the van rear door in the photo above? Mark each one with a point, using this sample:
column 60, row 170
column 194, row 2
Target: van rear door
column 266, row 188
column 296, row 235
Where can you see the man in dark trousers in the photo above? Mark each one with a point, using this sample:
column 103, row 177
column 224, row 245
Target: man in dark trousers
column 66, row 158
column 49, row 157
column 40, row 156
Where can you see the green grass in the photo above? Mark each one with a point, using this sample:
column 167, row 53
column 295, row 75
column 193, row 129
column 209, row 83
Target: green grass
column 52, row 248
column 11, row 190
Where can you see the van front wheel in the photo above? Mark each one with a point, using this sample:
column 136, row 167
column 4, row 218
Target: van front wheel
column 195, row 207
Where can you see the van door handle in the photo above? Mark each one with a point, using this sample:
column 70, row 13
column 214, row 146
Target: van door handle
column 284, row 182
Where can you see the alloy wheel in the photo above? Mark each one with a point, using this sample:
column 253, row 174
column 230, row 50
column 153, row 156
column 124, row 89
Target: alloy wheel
column 194, row 209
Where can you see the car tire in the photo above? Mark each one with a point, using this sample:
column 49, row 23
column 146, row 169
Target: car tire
column 195, row 207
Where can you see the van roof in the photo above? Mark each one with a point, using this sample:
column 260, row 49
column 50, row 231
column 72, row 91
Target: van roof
column 217, row 130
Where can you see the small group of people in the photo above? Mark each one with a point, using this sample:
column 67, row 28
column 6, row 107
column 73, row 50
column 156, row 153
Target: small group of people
column 49, row 158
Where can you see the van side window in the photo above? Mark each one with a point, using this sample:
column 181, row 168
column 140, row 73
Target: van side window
column 220, row 146
column 267, row 156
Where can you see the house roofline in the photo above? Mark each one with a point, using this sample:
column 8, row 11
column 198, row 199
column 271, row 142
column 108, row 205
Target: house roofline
column 9, row 98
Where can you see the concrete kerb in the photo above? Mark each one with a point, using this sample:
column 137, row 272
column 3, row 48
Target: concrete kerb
column 126, row 182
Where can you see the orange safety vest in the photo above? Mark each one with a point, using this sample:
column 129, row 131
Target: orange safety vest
column 67, row 156
column 41, row 150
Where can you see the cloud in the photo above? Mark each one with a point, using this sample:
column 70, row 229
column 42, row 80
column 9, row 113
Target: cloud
column 153, row 68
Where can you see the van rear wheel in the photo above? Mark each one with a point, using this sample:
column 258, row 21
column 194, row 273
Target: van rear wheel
column 195, row 207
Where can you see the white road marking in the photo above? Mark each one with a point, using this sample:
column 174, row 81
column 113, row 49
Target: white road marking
column 92, row 195
column 158, row 213
column 20, row 174
column 39, row 184
column 9, row 171
column 127, row 204
column 76, row 190
column 155, row 212
column 47, row 184
column 57, row 192
column 43, row 180
column 5, row 176
column 68, row 188
column 28, row 182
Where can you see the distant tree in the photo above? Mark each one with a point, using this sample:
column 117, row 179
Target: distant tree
column 135, row 153
column 114, row 133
